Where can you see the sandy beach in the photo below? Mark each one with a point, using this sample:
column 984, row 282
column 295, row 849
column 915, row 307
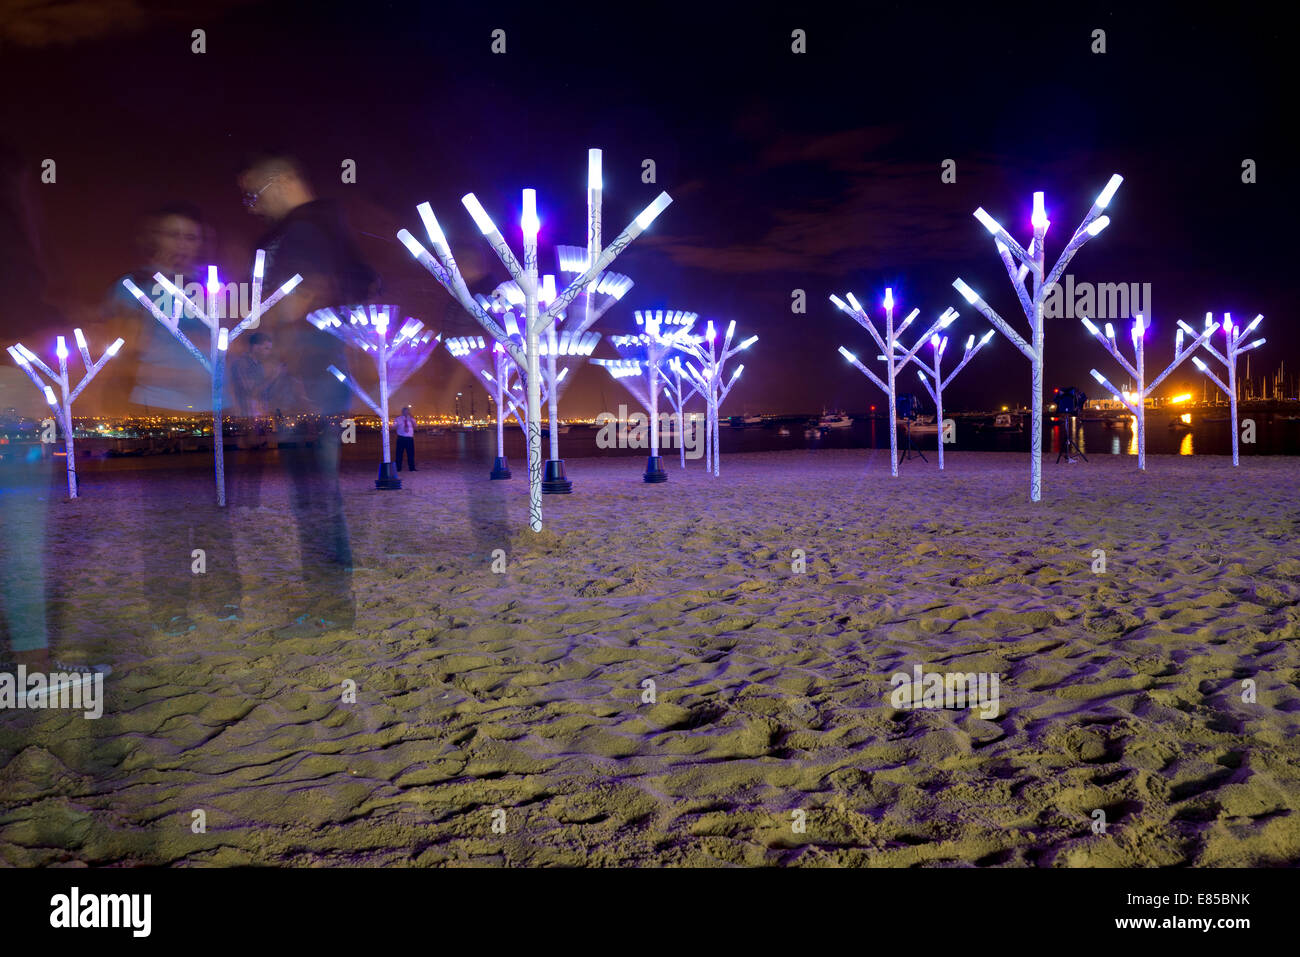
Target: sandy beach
column 523, row 691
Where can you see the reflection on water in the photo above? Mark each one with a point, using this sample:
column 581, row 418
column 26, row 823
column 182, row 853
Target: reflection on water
column 1185, row 447
column 1133, row 435
column 1114, row 445
column 1065, row 434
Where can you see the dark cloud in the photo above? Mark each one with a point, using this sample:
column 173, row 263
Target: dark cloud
column 38, row 24
column 44, row 23
column 871, row 209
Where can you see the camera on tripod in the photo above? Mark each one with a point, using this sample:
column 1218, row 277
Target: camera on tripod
column 1070, row 401
column 908, row 405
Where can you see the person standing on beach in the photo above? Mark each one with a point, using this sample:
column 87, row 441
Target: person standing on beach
column 26, row 492
column 43, row 628
column 406, row 438
column 162, row 379
column 25, row 497
column 310, row 237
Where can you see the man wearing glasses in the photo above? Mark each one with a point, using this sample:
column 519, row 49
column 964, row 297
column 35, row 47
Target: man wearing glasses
column 310, row 236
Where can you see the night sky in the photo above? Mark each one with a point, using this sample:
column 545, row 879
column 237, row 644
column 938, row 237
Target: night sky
column 818, row 171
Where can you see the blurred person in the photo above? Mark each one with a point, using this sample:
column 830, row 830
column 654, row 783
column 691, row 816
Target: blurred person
column 164, row 379
column 25, row 495
column 311, row 237
column 25, row 483
column 165, row 376
column 253, row 378
column 405, row 426
column 42, row 628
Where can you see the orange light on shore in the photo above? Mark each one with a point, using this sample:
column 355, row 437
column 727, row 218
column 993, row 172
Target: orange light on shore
column 1179, row 399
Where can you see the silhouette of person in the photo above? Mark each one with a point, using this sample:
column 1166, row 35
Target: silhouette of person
column 310, row 237
column 164, row 379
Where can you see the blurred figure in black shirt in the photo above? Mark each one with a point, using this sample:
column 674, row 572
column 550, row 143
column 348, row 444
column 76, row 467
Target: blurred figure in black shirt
column 310, row 236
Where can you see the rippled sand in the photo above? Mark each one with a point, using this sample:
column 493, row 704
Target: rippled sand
column 523, row 691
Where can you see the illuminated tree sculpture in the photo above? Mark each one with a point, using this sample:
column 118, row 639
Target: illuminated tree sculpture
column 29, row 362
column 214, row 363
column 512, row 397
column 711, row 383
column 1032, row 260
column 678, row 390
column 473, row 352
column 367, row 329
column 895, row 355
column 1136, row 402
column 642, row 368
column 1234, row 338
column 527, row 357
column 510, row 389
column 595, row 300
column 501, row 376
column 571, row 346
column 936, row 381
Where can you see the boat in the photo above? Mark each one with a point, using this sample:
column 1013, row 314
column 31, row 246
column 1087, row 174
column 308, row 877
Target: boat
column 919, row 424
column 834, row 420
column 1006, row 422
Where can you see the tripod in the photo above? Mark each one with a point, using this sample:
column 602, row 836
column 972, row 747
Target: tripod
column 1069, row 444
column 906, row 453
